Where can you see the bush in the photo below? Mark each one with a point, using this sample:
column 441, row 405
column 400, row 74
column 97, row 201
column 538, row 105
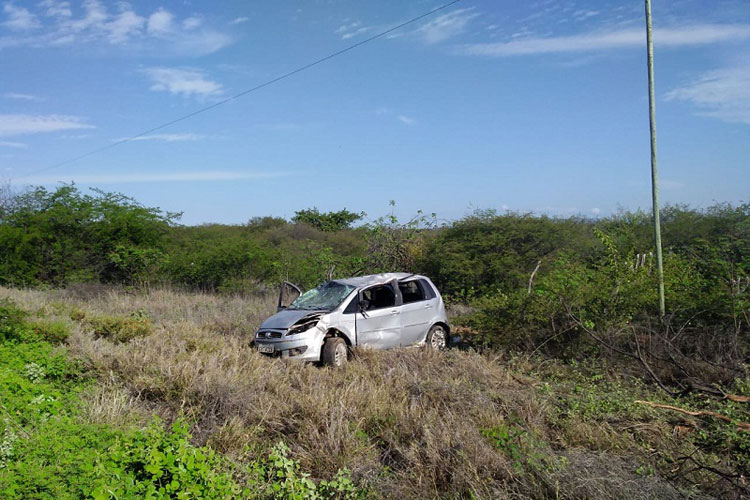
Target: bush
column 120, row 328
column 329, row 221
column 55, row 332
column 12, row 321
column 162, row 465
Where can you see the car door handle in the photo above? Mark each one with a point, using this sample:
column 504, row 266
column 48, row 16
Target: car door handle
column 395, row 311
column 428, row 306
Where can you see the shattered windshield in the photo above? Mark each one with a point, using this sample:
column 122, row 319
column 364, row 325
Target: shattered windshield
column 323, row 298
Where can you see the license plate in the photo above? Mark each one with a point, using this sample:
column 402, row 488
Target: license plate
column 266, row 349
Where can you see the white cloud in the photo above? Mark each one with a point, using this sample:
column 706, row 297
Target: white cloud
column 160, row 31
column 183, row 81
column 352, row 29
column 208, row 175
column 160, row 22
column 188, row 136
column 615, row 39
column 20, row 124
column 239, row 20
column 405, row 120
column 21, row 97
column 596, row 211
column 192, row 22
column 56, row 8
column 446, row 26
column 19, row 19
column 95, row 16
column 127, row 24
column 585, row 14
column 722, row 94
column 18, row 145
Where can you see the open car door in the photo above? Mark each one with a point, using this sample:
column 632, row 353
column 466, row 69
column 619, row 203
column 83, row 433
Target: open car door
column 288, row 293
column 379, row 319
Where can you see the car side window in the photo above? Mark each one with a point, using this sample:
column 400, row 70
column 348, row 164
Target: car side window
column 353, row 306
column 379, row 297
column 411, row 291
column 427, row 290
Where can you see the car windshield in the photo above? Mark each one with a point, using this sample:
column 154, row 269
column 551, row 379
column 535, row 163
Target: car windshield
column 323, row 298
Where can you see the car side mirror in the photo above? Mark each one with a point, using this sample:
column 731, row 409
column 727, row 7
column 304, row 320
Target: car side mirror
column 364, row 305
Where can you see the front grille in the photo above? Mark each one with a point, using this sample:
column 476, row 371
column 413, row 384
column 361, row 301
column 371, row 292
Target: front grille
column 267, row 334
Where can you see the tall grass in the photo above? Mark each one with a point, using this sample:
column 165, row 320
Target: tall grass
column 408, row 423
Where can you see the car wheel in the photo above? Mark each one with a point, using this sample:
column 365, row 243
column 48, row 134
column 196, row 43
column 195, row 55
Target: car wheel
column 334, row 352
column 437, row 338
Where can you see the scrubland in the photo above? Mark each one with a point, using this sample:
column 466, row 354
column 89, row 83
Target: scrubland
column 127, row 370
column 406, row 423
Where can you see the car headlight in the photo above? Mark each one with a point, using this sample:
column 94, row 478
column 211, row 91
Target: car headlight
column 303, row 327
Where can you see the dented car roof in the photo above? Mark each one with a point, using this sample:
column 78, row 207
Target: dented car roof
column 375, row 279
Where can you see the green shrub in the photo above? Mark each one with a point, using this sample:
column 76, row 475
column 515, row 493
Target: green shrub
column 158, row 464
column 278, row 476
column 55, row 332
column 12, row 321
column 77, row 314
column 120, row 328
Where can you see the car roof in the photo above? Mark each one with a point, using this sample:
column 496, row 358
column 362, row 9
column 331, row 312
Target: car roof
column 374, row 279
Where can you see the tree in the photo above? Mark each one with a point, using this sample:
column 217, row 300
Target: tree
column 329, row 221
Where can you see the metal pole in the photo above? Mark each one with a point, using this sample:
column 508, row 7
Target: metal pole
column 654, row 175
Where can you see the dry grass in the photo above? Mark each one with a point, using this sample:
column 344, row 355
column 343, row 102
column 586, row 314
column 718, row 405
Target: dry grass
column 408, row 423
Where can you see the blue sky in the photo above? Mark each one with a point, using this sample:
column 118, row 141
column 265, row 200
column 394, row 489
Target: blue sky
column 528, row 106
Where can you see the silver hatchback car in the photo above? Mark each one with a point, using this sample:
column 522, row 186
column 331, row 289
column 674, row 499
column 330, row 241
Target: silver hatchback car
column 379, row 311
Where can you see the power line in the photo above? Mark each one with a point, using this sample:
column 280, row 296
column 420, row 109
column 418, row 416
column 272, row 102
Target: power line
column 243, row 93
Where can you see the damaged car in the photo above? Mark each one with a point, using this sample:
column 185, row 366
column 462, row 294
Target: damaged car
column 379, row 311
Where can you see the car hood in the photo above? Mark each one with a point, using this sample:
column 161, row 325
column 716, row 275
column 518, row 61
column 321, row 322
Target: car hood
column 286, row 318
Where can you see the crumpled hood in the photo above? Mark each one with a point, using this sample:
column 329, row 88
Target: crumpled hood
column 286, row 318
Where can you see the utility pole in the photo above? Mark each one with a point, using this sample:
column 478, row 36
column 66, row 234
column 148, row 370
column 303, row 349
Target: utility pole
column 654, row 175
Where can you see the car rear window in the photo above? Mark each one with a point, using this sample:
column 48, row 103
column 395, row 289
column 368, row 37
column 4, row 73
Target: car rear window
column 411, row 291
column 429, row 292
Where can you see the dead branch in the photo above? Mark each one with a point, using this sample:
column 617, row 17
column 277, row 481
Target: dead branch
column 737, row 399
column 650, row 371
column 743, row 426
column 596, row 337
column 531, row 279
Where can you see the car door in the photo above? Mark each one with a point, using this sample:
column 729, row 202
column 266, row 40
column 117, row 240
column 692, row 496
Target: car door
column 379, row 317
column 288, row 293
column 417, row 312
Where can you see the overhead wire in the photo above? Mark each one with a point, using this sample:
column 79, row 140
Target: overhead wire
column 241, row 94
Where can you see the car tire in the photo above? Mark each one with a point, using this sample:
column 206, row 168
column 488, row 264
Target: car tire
column 437, row 338
column 335, row 352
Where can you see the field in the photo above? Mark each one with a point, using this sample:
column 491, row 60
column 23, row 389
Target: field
column 127, row 370
column 406, row 423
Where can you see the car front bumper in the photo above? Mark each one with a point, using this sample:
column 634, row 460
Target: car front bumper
column 285, row 348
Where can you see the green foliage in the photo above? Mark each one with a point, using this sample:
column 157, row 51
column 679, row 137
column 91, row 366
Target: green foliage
column 121, row 328
column 328, row 221
column 54, row 332
column 208, row 257
column 526, row 453
column 279, row 477
column 48, row 453
column 610, row 286
column 486, row 251
column 64, row 236
column 393, row 245
column 135, row 266
column 157, row 464
column 12, row 321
